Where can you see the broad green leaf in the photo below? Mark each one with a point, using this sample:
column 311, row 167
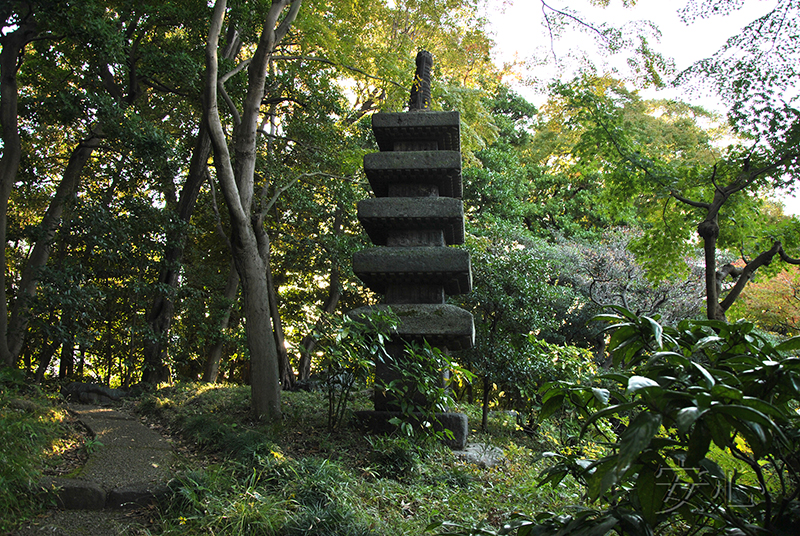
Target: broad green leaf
column 624, row 312
column 762, row 406
column 615, row 319
column 552, row 405
column 647, row 491
column 699, row 442
column 686, row 418
column 710, row 381
column 635, row 383
column 656, row 329
column 719, row 428
column 611, row 410
column 721, row 390
column 706, row 342
column 636, row 438
column 789, row 345
column 744, row 414
column 601, row 395
column 603, row 528
column 601, row 480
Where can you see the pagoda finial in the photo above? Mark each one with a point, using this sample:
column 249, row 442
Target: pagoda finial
column 421, row 87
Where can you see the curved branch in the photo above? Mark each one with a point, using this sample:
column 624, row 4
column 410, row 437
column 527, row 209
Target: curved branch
column 763, row 259
column 787, row 258
column 690, row 202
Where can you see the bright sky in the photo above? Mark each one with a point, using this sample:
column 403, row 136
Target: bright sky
column 519, row 33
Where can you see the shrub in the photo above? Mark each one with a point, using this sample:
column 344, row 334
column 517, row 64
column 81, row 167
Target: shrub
column 701, row 435
column 680, row 391
column 349, row 348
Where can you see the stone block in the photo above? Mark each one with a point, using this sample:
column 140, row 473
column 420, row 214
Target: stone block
column 74, row 494
column 135, row 496
column 457, row 423
column 441, row 325
column 384, row 215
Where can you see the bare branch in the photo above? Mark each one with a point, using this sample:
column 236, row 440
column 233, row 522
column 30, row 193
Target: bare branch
column 266, row 207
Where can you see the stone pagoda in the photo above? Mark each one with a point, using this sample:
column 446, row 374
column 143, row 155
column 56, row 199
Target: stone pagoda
column 415, row 215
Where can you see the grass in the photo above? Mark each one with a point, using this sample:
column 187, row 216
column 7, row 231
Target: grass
column 240, row 476
column 32, row 434
column 301, row 478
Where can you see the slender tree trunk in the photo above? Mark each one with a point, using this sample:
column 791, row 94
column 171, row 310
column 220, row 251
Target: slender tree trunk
column 81, row 362
column 66, row 364
column 249, row 241
column 709, row 231
column 40, row 254
column 309, row 342
column 487, row 392
column 109, row 353
column 211, row 372
column 285, row 367
column 13, row 44
column 163, row 307
column 159, row 320
column 48, row 351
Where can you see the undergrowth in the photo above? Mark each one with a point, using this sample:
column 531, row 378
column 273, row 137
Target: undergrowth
column 30, row 427
column 303, row 478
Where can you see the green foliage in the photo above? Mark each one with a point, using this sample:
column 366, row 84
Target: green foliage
column 677, row 391
column 395, row 457
column 420, row 389
column 349, row 350
column 29, row 424
column 518, row 292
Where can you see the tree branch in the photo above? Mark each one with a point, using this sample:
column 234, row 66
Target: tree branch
column 763, row 259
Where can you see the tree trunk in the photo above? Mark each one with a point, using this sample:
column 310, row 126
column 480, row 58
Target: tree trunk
column 249, row 241
column 44, row 361
column 264, row 370
column 329, row 306
column 211, row 372
column 38, row 258
column 309, row 342
column 487, row 392
column 709, row 231
column 154, row 368
column 13, row 44
column 285, row 367
column 66, row 364
column 162, row 309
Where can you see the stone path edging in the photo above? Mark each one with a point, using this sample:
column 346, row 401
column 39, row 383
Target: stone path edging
column 128, row 465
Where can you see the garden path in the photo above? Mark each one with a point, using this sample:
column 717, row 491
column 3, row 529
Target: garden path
column 128, row 467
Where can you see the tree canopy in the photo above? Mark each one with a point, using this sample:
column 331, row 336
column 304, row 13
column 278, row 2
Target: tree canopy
column 178, row 182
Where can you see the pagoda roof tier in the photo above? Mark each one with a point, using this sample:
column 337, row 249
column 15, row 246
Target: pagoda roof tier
column 439, row 324
column 442, row 127
column 381, row 215
column 378, row 267
column 440, row 168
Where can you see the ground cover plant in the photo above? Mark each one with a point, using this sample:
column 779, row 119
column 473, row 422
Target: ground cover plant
column 304, row 477
column 35, row 439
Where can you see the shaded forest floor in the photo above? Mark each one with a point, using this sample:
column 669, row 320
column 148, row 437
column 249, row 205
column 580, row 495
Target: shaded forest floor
column 236, row 476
